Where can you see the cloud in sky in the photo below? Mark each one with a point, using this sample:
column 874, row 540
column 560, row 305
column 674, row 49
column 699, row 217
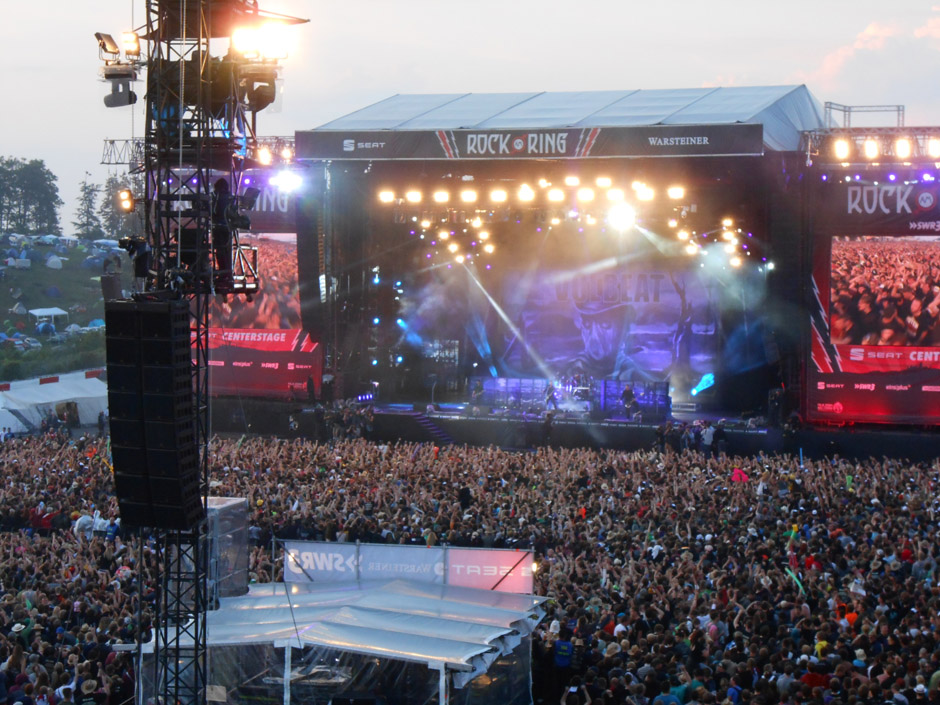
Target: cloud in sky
column 830, row 72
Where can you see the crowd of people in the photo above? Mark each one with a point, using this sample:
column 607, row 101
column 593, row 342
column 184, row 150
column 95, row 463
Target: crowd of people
column 673, row 578
column 276, row 305
column 885, row 291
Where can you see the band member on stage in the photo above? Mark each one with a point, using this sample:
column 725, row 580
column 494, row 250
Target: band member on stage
column 476, row 398
column 476, row 393
column 630, row 405
column 550, row 400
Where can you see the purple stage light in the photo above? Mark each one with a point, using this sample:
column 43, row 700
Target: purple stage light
column 450, row 266
column 428, row 255
column 892, row 177
column 489, row 266
column 538, row 230
column 247, row 181
column 412, row 232
column 825, row 177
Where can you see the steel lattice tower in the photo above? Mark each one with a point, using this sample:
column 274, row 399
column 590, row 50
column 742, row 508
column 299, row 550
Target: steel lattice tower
column 196, row 132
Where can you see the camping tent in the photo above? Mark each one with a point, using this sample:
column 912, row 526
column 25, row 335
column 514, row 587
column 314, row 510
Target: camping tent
column 53, row 262
column 31, row 401
column 358, row 640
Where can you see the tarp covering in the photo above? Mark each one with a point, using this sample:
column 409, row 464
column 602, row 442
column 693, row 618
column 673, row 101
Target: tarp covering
column 783, row 112
column 442, row 626
column 34, row 401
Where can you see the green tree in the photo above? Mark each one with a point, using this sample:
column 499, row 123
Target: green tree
column 115, row 222
column 29, row 197
column 87, row 223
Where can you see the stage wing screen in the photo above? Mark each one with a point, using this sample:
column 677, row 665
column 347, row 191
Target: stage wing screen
column 875, row 332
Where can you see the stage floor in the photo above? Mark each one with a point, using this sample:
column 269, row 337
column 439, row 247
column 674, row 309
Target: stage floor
column 455, row 424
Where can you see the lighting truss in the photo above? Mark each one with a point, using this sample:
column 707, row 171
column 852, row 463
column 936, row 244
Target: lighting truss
column 818, row 145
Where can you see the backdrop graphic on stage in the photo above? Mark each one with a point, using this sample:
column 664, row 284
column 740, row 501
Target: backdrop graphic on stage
column 875, row 333
column 637, row 322
column 258, row 347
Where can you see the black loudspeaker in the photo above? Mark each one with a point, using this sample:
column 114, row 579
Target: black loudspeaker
column 151, row 407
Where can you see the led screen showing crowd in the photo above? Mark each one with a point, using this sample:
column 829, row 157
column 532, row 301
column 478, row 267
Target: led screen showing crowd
column 885, row 291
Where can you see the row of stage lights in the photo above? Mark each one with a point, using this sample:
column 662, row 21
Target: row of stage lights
column 603, row 188
column 872, row 149
column 730, row 239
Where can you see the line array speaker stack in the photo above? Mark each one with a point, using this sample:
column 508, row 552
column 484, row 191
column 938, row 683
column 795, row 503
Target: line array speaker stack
column 151, row 407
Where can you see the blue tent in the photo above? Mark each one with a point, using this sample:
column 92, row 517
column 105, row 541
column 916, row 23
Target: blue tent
column 53, row 292
column 96, row 323
column 45, row 328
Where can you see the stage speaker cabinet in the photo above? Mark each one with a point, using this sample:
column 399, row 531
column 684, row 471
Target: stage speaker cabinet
column 151, row 408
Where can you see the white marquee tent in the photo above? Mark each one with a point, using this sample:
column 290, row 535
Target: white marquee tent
column 29, row 401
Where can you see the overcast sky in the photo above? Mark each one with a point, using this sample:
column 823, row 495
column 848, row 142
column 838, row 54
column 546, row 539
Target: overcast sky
column 356, row 52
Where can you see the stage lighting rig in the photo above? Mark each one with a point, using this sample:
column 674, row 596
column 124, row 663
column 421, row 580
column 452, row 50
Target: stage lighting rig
column 125, row 200
column 119, row 73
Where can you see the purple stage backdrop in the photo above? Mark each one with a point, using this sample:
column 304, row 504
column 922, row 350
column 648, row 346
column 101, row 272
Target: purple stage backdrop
column 626, row 323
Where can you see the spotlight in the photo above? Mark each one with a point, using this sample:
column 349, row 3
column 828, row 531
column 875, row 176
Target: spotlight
column 672, row 223
column 735, row 261
column 555, row 221
column 727, row 235
column 604, row 182
column 459, row 259
column 902, row 148
column 484, row 235
column 544, row 183
column 572, row 181
column 555, row 195
column 376, row 321
column 729, row 248
column 691, row 248
column 476, row 222
column 287, row 154
column 106, row 45
column 615, row 195
column 441, row 197
column 842, row 148
column 125, row 199
column 726, row 222
column 386, row 196
column 675, row 192
column 645, row 193
column 269, row 41
column 683, row 234
column 453, row 247
column 621, row 216
column 933, row 148
column 131, row 43
column 264, row 156
column 468, row 196
column 413, row 197
column 488, row 248
column 770, row 266
column 498, row 195
column 443, row 234
column 585, row 194
column 425, row 223
column 871, row 149
column 286, row 181
column 526, row 193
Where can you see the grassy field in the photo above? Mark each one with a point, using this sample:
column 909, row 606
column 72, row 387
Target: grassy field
column 73, row 288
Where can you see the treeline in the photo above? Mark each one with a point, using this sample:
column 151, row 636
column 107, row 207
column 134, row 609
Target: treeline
column 30, row 203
